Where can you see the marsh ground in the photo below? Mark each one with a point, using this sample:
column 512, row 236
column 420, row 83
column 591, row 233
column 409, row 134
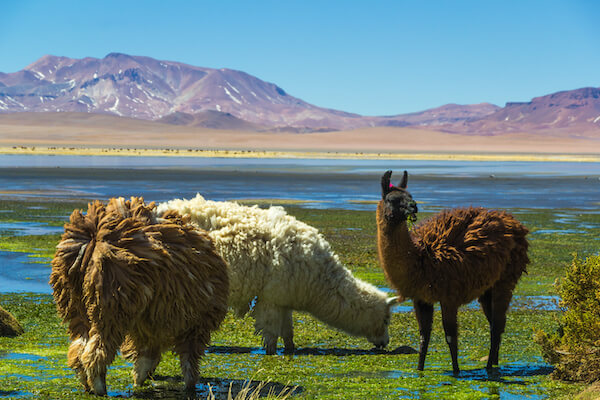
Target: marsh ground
column 328, row 364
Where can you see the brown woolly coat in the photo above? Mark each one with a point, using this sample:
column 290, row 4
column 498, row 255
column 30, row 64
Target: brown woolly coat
column 119, row 271
column 455, row 256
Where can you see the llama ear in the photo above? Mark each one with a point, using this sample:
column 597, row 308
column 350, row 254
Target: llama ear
column 385, row 183
column 404, row 180
column 394, row 300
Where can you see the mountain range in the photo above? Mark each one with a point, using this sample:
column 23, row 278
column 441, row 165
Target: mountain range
column 181, row 94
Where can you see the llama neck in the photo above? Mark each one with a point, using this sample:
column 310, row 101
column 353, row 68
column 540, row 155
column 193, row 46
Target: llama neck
column 347, row 303
column 398, row 254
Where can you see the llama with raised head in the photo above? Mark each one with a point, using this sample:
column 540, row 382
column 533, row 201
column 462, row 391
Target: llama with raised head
column 122, row 276
column 452, row 258
column 282, row 265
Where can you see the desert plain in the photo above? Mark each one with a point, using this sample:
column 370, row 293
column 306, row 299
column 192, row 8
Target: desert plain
column 96, row 134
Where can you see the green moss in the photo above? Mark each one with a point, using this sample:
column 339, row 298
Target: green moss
column 42, row 246
column 34, row 364
column 53, row 213
column 47, row 211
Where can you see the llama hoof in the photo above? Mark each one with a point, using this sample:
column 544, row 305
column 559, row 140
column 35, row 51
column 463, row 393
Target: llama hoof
column 378, row 350
column 137, row 385
column 99, row 386
column 493, row 372
column 491, row 367
column 289, row 350
column 270, row 349
column 191, row 388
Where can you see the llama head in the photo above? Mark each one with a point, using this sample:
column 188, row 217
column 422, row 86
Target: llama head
column 378, row 327
column 398, row 204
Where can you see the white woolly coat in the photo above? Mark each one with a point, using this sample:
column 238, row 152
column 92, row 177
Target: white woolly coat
column 279, row 260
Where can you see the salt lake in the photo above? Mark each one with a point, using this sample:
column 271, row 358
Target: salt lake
column 351, row 184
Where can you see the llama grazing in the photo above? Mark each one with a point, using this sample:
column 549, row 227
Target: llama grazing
column 283, row 265
column 120, row 275
column 455, row 257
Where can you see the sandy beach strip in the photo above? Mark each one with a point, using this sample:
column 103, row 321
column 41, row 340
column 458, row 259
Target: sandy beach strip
column 170, row 152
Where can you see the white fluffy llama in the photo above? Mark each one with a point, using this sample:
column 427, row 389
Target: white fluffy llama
column 283, row 265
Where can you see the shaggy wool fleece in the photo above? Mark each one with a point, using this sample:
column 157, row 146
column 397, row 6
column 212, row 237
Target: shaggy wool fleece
column 119, row 272
column 284, row 264
column 459, row 254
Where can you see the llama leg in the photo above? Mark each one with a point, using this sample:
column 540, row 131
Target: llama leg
column 451, row 330
column 144, row 365
column 424, row 314
column 145, row 358
column 486, row 304
column 189, row 369
column 268, row 322
column 190, row 349
column 74, row 361
column 287, row 331
column 95, row 358
column 501, row 300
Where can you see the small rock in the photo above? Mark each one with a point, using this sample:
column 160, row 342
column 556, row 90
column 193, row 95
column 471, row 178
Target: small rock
column 9, row 326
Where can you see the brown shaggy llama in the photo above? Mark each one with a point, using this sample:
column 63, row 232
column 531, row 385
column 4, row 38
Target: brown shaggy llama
column 122, row 275
column 453, row 258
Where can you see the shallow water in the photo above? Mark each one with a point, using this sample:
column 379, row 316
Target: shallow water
column 322, row 183
column 21, row 356
column 539, row 303
column 13, row 394
column 508, row 377
column 316, row 166
column 20, row 273
column 24, row 228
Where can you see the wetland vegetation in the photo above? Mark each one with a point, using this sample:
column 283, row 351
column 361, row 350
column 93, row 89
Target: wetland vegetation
column 328, row 363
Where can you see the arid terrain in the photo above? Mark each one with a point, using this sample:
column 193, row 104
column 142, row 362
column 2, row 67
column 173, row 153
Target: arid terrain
column 107, row 131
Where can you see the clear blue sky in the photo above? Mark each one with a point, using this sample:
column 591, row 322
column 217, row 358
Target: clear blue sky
column 370, row 57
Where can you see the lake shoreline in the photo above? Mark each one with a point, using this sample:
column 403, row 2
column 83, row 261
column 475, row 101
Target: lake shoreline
column 288, row 154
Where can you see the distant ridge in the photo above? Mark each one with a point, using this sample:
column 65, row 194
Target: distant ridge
column 574, row 112
column 181, row 94
column 210, row 119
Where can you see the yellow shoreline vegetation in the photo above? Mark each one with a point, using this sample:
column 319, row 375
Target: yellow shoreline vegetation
column 196, row 152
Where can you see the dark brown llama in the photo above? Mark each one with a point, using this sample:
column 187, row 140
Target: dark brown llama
column 453, row 258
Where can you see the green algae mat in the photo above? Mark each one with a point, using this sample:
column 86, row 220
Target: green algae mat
column 328, row 364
